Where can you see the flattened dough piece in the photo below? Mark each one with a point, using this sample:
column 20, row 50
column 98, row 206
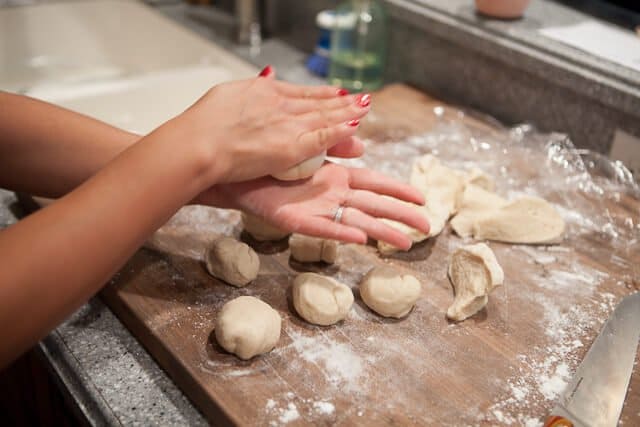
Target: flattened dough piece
column 321, row 300
column 475, row 203
column 389, row 292
column 474, row 271
column 261, row 230
column 247, row 327
column 312, row 249
column 524, row 220
column 232, row 261
column 416, row 236
column 303, row 169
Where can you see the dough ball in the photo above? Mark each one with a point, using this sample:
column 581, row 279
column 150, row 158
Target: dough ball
column 321, row 300
column 247, row 327
column 261, row 230
column 524, row 220
column 232, row 261
column 475, row 203
column 303, row 169
column 389, row 292
column 474, row 272
column 312, row 249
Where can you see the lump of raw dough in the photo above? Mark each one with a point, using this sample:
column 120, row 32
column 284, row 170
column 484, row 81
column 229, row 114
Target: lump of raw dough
column 312, row 249
column 321, row 300
column 261, row 230
column 303, row 169
column 475, row 203
column 524, row 220
column 441, row 187
column 480, row 179
column 232, row 261
column 389, row 292
column 474, row 272
column 247, row 327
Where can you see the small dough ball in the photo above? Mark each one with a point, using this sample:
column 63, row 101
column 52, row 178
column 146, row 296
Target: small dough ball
column 312, row 249
column 247, row 327
column 232, row 261
column 474, row 272
column 303, row 169
column 389, row 292
column 321, row 300
column 261, row 230
column 524, row 220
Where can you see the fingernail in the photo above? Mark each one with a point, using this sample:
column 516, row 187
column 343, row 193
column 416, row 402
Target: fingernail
column 354, row 122
column 342, row 92
column 266, row 71
column 364, row 100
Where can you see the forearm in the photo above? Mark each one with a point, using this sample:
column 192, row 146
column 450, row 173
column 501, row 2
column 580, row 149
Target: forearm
column 55, row 259
column 47, row 150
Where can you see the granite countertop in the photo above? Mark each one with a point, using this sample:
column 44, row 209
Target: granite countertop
column 109, row 375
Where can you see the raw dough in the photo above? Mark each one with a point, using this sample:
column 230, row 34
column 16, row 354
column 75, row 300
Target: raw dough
column 303, row 169
column 261, row 230
column 525, row 220
column 232, row 261
column 312, row 249
column 478, row 178
column 389, row 292
column 475, row 203
column 474, row 272
column 247, row 327
column 321, row 300
column 441, row 187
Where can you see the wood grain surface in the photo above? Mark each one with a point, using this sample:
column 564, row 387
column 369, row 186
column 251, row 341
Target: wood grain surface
column 504, row 366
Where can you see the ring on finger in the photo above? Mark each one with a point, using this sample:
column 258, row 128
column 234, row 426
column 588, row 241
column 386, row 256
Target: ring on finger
column 337, row 214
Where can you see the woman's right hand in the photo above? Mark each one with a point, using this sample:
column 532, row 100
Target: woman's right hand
column 251, row 128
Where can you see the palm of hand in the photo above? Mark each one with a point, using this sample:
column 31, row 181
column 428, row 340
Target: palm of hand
column 309, row 206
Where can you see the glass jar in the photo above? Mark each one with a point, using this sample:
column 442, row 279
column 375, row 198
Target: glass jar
column 358, row 46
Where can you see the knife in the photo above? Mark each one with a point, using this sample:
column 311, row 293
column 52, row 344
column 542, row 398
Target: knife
column 595, row 396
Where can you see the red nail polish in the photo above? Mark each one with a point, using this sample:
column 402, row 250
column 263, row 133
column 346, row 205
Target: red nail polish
column 354, row 122
column 364, row 100
column 342, row 92
column 266, row 71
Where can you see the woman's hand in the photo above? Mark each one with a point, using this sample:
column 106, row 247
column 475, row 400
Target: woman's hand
column 309, row 206
column 252, row 128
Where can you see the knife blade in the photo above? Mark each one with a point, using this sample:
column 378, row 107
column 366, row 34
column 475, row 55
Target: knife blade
column 596, row 393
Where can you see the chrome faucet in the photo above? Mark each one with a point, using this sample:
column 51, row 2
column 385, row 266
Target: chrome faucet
column 248, row 23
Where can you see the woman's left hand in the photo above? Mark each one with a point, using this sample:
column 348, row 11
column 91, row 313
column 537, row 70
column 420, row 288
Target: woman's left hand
column 309, row 206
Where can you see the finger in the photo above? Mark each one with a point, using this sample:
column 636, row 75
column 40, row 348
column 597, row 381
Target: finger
column 375, row 228
column 306, row 105
column 325, row 228
column 347, row 149
column 268, row 72
column 366, row 179
column 328, row 117
column 314, row 142
column 315, row 92
column 382, row 207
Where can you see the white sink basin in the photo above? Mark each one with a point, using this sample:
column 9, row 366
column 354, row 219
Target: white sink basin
column 72, row 42
column 118, row 61
column 138, row 104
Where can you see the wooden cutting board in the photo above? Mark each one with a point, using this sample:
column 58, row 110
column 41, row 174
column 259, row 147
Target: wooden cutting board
column 505, row 366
